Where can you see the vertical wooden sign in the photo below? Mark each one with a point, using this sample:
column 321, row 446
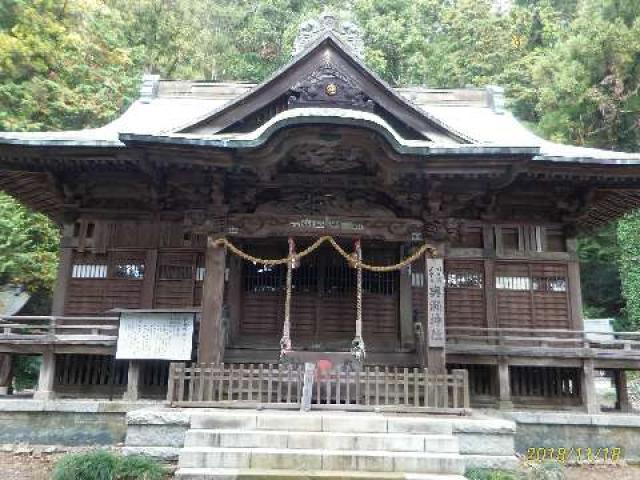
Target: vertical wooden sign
column 435, row 303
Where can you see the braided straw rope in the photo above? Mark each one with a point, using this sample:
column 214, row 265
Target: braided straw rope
column 352, row 258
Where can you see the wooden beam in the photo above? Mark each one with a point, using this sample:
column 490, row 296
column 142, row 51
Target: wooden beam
column 211, row 341
column 6, row 373
column 407, row 335
column 149, row 280
column 234, row 297
column 622, row 391
column 65, row 266
column 575, row 291
column 47, row 377
column 134, row 379
column 505, row 401
column 588, row 388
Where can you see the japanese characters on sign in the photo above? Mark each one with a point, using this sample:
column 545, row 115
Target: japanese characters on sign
column 326, row 224
column 155, row 336
column 435, row 302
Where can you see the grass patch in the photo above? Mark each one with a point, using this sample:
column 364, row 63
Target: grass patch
column 490, row 474
column 104, row 465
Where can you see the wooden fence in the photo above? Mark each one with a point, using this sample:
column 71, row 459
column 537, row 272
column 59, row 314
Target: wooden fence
column 54, row 329
column 281, row 386
column 548, row 339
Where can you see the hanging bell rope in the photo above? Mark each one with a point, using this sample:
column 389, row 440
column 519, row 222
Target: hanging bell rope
column 357, row 345
column 352, row 258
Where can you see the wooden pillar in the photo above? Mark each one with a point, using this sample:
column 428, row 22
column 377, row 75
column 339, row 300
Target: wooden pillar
column 622, row 392
column 211, row 340
column 505, row 401
column 65, row 266
column 575, row 291
column 489, row 276
column 588, row 388
column 134, row 379
column 407, row 335
column 149, row 280
column 234, row 296
column 435, row 334
column 47, row 377
column 6, row 373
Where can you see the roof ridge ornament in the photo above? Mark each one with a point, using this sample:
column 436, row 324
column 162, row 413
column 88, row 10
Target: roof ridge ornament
column 149, row 87
column 347, row 31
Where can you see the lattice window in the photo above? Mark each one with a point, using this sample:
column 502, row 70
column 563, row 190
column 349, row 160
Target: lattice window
column 90, row 270
column 201, row 272
column 513, row 283
column 550, row 284
column 264, row 278
column 127, row 265
column 464, row 279
column 175, row 267
column 89, row 266
column 417, row 279
column 129, row 271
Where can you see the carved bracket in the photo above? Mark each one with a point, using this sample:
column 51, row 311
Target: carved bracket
column 327, row 86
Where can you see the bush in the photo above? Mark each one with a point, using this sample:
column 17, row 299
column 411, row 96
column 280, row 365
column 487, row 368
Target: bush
column 489, row 474
column 547, row 471
column 103, row 465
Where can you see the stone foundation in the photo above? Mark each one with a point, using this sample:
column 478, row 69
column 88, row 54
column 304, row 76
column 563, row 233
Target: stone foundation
column 61, row 422
column 578, row 430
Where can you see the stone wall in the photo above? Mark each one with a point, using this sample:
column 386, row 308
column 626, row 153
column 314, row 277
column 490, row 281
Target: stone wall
column 68, row 423
column 578, row 430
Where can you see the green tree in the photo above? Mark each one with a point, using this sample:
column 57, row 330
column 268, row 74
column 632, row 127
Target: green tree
column 63, row 65
column 629, row 241
column 28, row 247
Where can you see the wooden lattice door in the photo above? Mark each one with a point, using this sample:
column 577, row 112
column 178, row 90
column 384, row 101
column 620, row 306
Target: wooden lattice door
column 323, row 304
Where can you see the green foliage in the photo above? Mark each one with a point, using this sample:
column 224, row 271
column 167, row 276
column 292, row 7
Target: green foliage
column 548, row 470
column 490, row 474
column 28, row 247
column 63, row 65
column 103, row 465
column 629, row 240
column 601, row 289
column 26, row 369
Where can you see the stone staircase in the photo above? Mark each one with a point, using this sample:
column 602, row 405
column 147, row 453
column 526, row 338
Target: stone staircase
column 225, row 445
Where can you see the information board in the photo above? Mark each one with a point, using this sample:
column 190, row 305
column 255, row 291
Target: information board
column 155, row 336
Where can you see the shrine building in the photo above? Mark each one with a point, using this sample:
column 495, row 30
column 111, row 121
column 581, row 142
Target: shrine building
column 323, row 217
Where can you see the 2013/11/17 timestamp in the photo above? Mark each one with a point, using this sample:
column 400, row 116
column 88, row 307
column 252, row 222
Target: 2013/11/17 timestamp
column 600, row 455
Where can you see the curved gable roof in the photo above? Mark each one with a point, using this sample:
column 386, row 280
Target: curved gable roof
column 327, row 51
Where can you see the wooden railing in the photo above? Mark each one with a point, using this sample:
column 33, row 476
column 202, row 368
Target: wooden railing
column 281, row 386
column 54, row 329
column 543, row 339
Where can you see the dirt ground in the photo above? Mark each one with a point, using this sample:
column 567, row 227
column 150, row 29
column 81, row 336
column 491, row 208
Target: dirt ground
column 27, row 467
column 603, row 472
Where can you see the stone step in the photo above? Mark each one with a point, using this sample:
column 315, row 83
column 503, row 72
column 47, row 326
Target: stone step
column 395, row 442
column 346, row 422
column 317, row 459
column 261, row 474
